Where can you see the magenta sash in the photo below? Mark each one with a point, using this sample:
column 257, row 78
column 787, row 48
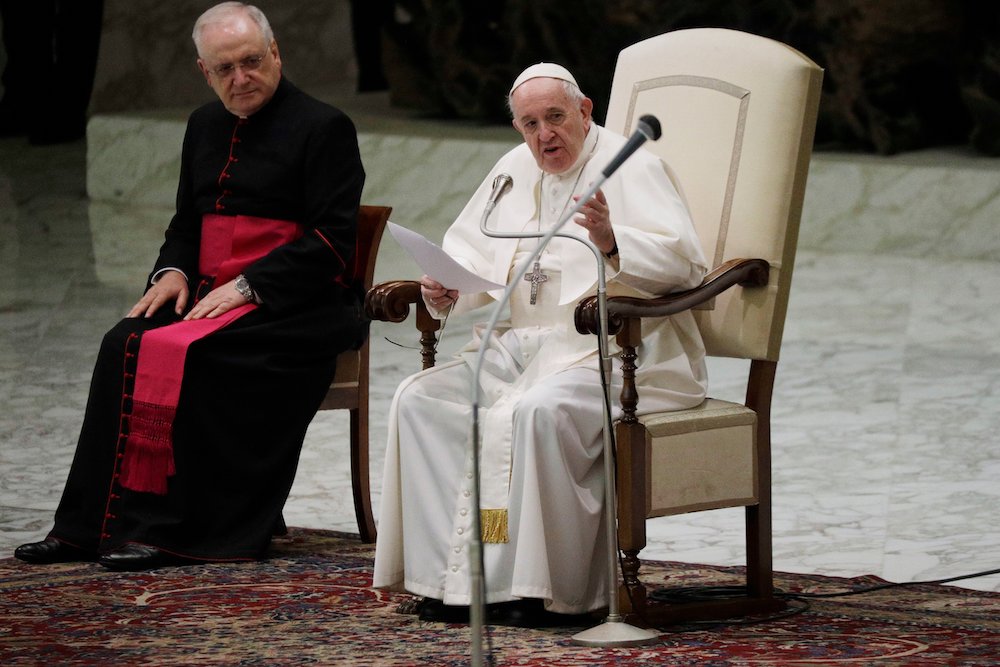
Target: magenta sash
column 228, row 245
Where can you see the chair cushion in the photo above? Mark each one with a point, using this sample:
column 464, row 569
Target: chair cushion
column 704, row 458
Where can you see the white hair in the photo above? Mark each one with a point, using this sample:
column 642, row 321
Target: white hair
column 226, row 10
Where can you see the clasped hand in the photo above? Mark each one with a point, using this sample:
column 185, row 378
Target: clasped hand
column 172, row 286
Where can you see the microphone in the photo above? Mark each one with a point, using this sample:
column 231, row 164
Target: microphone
column 648, row 127
column 501, row 184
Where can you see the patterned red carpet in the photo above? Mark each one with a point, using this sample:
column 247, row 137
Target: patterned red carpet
column 311, row 604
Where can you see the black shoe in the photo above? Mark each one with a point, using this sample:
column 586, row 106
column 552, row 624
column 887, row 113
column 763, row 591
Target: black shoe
column 51, row 550
column 433, row 610
column 133, row 557
column 531, row 613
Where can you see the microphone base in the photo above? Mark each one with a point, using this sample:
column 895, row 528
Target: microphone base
column 615, row 633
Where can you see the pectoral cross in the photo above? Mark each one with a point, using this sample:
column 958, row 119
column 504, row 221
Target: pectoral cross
column 536, row 278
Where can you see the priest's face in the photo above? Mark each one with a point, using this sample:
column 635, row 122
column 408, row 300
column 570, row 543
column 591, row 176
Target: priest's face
column 239, row 65
column 553, row 124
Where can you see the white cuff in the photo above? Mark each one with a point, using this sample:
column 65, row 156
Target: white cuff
column 156, row 276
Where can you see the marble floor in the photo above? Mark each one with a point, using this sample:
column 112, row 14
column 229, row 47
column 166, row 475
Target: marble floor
column 886, row 420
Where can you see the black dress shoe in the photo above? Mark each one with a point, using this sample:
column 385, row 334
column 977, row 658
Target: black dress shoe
column 531, row 613
column 133, row 557
column 51, row 550
column 433, row 610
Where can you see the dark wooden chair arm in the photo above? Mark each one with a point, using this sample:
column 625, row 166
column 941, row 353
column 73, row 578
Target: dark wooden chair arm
column 390, row 302
column 744, row 272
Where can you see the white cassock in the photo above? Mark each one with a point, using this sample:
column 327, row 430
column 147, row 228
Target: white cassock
column 540, row 410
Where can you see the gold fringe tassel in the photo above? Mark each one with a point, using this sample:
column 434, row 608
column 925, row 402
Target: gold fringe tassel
column 494, row 526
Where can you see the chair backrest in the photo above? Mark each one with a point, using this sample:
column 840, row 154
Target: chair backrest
column 371, row 224
column 738, row 113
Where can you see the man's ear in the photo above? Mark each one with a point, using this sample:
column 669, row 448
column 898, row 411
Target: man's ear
column 274, row 51
column 586, row 108
column 205, row 72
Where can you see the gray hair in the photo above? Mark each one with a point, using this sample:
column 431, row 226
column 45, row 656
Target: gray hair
column 573, row 92
column 226, row 10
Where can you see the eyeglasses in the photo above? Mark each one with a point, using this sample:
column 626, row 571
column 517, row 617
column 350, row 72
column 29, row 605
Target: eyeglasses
column 248, row 64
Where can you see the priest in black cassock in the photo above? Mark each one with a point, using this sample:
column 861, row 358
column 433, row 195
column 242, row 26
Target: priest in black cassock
column 201, row 397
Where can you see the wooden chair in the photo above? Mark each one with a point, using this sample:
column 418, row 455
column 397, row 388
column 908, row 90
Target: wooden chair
column 738, row 114
column 349, row 390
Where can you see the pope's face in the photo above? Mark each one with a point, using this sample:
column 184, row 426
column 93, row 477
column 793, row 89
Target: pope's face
column 552, row 124
column 239, row 65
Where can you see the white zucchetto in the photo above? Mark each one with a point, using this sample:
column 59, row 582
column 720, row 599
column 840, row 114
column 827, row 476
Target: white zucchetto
column 547, row 70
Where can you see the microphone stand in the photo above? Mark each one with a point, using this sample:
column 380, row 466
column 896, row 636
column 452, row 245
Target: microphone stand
column 614, row 631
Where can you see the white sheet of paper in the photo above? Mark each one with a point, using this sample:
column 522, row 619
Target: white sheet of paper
column 438, row 264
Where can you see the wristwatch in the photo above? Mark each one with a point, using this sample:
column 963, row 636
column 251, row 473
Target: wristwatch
column 243, row 287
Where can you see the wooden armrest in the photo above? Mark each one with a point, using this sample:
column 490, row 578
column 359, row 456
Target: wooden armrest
column 390, row 302
column 743, row 272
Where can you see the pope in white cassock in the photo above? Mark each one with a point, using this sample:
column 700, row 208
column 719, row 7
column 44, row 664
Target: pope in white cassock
column 541, row 415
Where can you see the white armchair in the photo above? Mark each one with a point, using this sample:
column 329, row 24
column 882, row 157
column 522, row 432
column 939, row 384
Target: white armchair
column 738, row 114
